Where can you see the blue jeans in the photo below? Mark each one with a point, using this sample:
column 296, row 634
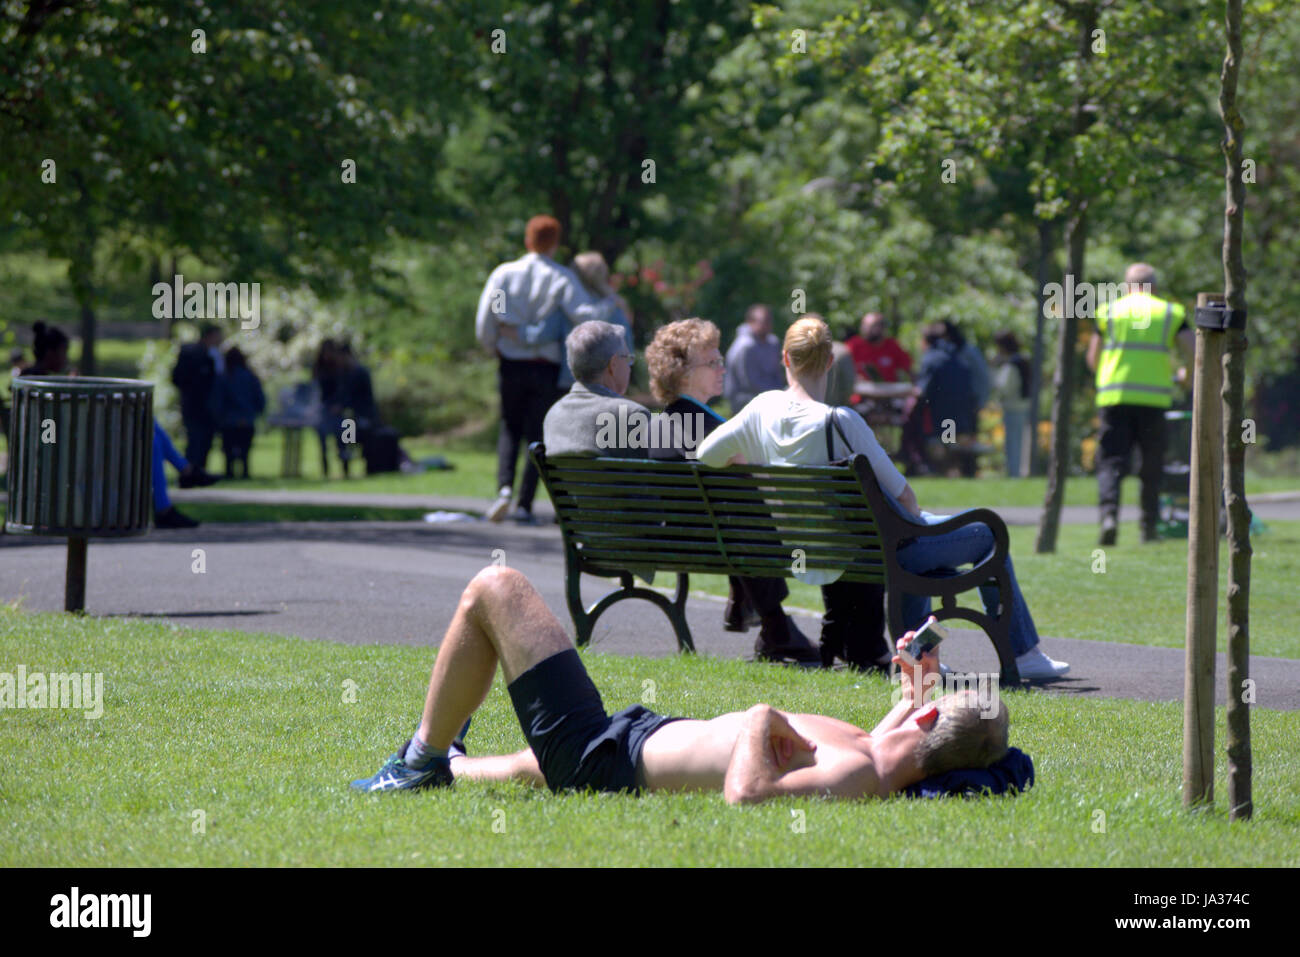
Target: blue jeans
column 1014, row 424
column 163, row 450
column 967, row 545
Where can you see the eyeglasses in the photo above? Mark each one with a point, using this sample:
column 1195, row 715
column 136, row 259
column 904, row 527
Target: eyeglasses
column 626, row 355
column 712, row 364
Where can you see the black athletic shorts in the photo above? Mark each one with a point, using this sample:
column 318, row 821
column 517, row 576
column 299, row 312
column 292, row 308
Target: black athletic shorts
column 577, row 744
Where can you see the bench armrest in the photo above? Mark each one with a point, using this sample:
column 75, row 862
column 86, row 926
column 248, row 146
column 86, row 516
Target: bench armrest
column 974, row 516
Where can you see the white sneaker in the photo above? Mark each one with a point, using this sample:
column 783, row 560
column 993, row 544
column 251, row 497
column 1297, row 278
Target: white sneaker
column 1035, row 665
column 498, row 509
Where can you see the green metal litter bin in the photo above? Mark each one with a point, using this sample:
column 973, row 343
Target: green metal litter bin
column 80, row 464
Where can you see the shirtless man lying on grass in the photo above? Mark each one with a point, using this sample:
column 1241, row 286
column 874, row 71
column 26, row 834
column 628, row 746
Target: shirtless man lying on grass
column 750, row 756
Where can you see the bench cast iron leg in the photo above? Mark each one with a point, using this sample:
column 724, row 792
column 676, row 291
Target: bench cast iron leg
column 584, row 619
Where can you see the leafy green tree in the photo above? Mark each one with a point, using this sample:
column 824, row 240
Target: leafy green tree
column 588, row 106
column 1089, row 95
column 271, row 139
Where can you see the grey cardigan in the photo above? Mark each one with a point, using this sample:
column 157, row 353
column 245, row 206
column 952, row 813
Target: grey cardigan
column 594, row 420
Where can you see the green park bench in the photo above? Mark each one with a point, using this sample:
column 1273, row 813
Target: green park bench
column 625, row 517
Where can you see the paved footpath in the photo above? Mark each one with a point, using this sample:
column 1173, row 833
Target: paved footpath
column 396, row 583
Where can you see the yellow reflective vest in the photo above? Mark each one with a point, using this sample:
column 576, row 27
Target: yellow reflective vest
column 1135, row 366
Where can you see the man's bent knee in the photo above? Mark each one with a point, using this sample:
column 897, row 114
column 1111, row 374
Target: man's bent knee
column 496, row 581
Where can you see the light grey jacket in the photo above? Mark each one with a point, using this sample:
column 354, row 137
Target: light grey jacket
column 594, row 420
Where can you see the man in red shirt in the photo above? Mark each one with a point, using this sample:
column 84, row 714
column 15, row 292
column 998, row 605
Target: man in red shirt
column 877, row 356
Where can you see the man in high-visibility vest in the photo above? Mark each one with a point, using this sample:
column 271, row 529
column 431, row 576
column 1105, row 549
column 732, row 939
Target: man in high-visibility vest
column 1131, row 351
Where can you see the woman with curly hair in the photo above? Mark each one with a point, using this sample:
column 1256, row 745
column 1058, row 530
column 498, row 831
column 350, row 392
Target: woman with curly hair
column 686, row 371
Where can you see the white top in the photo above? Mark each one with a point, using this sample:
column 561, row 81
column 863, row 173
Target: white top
column 779, row 429
column 1007, row 387
column 534, row 287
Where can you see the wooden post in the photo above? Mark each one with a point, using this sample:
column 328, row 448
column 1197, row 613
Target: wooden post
column 74, row 580
column 1203, row 568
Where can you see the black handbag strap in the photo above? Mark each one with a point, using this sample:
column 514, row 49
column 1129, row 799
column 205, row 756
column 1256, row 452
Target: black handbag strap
column 832, row 422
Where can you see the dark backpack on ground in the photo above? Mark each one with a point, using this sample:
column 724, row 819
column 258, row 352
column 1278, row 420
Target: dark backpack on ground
column 381, row 451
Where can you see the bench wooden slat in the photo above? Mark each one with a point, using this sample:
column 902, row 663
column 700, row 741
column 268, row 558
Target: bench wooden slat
column 818, row 557
column 566, row 507
column 578, row 487
column 754, row 566
column 733, row 538
column 774, row 498
column 828, row 521
column 623, row 467
column 676, row 474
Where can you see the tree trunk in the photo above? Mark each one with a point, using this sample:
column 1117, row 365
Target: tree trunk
column 1077, row 240
column 1043, row 272
column 169, row 325
column 1063, row 390
column 81, row 276
column 1240, row 804
column 87, row 364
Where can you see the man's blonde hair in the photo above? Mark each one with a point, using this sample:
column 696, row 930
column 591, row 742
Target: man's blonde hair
column 961, row 737
column 808, row 342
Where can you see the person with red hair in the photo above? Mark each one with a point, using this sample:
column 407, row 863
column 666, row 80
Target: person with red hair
column 514, row 311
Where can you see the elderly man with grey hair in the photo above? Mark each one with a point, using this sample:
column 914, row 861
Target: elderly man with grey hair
column 593, row 418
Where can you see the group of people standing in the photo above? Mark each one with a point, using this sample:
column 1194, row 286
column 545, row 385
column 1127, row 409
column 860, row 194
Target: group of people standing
column 346, row 391
column 524, row 315
column 952, row 384
column 220, row 395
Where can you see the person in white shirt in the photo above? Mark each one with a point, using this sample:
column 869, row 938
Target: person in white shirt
column 518, row 302
column 788, row 428
column 1011, row 389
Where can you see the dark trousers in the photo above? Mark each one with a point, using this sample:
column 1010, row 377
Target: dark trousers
column 1122, row 428
column 236, row 443
column 853, row 627
column 199, row 435
column 763, row 594
column 527, row 391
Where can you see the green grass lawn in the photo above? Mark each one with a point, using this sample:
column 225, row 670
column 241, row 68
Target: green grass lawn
column 233, row 512
column 115, row 358
column 253, row 731
column 1141, row 597
column 940, row 494
column 475, row 475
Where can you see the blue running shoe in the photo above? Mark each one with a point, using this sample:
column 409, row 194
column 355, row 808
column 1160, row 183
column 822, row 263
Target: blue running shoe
column 396, row 776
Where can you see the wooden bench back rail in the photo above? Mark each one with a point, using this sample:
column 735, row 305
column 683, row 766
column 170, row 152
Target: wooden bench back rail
column 620, row 517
